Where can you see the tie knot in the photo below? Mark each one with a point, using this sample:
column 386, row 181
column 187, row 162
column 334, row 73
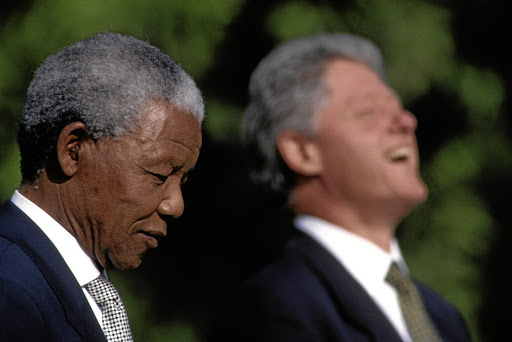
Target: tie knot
column 397, row 279
column 416, row 317
column 102, row 291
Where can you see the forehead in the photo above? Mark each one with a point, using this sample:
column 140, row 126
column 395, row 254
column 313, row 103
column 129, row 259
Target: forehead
column 161, row 131
column 347, row 78
column 160, row 120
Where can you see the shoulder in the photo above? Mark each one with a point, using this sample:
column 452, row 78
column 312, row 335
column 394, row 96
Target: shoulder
column 284, row 301
column 21, row 287
column 22, row 249
column 20, row 314
column 16, row 264
column 287, row 279
column 22, row 283
column 39, row 295
column 298, row 281
column 18, row 270
column 30, row 308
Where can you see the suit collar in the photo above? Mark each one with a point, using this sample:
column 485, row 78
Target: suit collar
column 81, row 265
column 350, row 298
column 20, row 229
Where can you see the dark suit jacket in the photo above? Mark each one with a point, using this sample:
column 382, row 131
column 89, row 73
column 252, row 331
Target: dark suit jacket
column 307, row 296
column 40, row 299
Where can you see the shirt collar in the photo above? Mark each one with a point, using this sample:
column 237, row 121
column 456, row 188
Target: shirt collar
column 81, row 265
column 366, row 261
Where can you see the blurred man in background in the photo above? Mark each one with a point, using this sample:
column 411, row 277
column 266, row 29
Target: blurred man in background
column 110, row 130
column 324, row 128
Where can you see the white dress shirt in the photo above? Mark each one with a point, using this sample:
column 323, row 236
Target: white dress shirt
column 83, row 268
column 365, row 261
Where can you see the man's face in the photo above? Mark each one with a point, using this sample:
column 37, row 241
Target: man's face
column 367, row 141
column 125, row 194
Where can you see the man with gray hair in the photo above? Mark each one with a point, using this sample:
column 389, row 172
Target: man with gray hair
column 110, row 129
column 324, row 129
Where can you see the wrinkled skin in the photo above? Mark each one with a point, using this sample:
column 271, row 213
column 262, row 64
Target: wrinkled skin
column 126, row 190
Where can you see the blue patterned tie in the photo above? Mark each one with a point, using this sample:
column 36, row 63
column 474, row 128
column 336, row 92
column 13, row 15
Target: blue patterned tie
column 114, row 318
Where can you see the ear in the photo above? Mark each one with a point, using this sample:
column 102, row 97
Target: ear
column 299, row 152
column 69, row 143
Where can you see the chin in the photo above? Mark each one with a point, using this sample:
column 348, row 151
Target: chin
column 127, row 267
column 125, row 264
column 417, row 196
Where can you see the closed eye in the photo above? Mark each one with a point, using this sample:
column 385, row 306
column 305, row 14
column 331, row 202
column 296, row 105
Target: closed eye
column 160, row 179
column 366, row 111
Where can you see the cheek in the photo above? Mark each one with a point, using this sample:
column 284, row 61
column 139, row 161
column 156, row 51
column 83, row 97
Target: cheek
column 113, row 242
column 126, row 194
column 345, row 148
column 119, row 244
column 132, row 207
column 351, row 160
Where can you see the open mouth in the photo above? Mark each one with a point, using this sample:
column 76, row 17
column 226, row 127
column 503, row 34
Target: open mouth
column 400, row 154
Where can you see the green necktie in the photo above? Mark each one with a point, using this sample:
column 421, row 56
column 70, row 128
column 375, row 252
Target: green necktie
column 419, row 325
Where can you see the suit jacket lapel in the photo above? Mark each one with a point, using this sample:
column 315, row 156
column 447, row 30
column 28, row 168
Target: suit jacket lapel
column 24, row 232
column 352, row 300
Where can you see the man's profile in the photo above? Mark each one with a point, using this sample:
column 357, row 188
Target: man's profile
column 324, row 129
column 110, row 130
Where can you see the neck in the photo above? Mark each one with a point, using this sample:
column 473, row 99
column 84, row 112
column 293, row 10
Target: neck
column 45, row 194
column 366, row 220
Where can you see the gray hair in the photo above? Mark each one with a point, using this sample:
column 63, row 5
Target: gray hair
column 103, row 81
column 287, row 90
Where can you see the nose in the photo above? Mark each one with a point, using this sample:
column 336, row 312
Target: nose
column 173, row 204
column 404, row 121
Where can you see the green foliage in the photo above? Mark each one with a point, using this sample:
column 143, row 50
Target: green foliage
column 297, row 18
column 223, row 121
column 415, row 36
column 10, row 176
column 178, row 27
column 482, row 91
column 456, row 164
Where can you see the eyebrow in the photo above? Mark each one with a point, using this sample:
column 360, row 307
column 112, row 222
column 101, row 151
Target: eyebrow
column 392, row 95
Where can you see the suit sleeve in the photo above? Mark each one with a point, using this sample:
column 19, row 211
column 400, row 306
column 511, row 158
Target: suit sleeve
column 20, row 316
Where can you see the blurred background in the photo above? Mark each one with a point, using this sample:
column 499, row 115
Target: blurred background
column 448, row 59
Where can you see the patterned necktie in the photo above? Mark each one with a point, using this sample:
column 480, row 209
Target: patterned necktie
column 418, row 322
column 114, row 317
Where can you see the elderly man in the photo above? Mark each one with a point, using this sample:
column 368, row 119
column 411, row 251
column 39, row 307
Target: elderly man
column 109, row 132
column 327, row 131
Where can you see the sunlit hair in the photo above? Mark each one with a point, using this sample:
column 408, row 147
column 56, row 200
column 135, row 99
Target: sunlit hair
column 103, row 81
column 287, row 90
